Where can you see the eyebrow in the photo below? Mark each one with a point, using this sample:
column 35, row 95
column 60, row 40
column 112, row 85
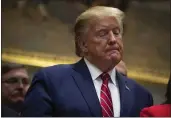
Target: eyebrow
column 101, row 27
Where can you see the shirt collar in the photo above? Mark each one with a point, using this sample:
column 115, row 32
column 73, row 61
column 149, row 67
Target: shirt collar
column 95, row 72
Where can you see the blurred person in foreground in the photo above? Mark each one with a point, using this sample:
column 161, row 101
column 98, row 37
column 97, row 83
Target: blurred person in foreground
column 121, row 68
column 15, row 83
column 90, row 87
column 162, row 110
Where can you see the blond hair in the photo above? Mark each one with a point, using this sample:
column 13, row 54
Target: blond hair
column 95, row 12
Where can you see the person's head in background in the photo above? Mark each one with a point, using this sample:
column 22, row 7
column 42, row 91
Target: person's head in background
column 15, row 83
column 168, row 92
column 121, row 68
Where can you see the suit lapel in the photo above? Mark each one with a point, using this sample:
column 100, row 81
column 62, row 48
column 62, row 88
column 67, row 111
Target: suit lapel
column 85, row 84
column 126, row 97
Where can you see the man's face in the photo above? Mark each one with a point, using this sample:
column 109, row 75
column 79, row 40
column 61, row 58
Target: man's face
column 15, row 84
column 104, row 41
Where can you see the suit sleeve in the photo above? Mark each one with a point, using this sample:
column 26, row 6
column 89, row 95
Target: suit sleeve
column 38, row 102
column 150, row 100
column 145, row 111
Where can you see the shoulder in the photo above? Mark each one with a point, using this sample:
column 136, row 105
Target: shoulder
column 139, row 92
column 160, row 107
column 165, row 110
column 53, row 74
column 56, row 70
column 136, row 86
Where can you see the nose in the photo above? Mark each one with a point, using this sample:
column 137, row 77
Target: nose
column 112, row 38
column 20, row 85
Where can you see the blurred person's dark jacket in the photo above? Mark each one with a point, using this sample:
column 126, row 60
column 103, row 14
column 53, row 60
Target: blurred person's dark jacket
column 7, row 112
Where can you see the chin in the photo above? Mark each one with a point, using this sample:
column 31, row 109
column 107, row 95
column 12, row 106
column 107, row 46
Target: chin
column 18, row 100
column 115, row 58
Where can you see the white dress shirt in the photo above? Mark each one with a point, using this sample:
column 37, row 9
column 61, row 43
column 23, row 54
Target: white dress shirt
column 113, row 86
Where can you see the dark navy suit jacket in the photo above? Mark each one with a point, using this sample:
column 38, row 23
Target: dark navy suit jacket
column 8, row 112
column 68, row 90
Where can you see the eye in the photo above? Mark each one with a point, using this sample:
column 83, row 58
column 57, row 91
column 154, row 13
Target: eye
column 25, row 81
column 116, row 32
column 11, row 80
column 102, row 33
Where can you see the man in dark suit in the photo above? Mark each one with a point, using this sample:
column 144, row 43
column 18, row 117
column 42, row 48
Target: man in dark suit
column 91, row 87
column 15, row 83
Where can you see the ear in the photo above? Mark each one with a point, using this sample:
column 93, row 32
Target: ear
column 83, row 45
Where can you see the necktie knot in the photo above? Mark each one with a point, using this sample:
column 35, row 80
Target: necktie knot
column 105, row 77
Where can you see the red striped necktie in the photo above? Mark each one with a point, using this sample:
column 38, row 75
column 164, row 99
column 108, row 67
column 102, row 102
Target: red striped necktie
column 105, row 97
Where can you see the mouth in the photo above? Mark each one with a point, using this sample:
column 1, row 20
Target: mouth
column 113, row 48
column 18, row 95
column 113, row 52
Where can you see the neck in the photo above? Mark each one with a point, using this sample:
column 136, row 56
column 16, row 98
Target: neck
column 103, row 66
